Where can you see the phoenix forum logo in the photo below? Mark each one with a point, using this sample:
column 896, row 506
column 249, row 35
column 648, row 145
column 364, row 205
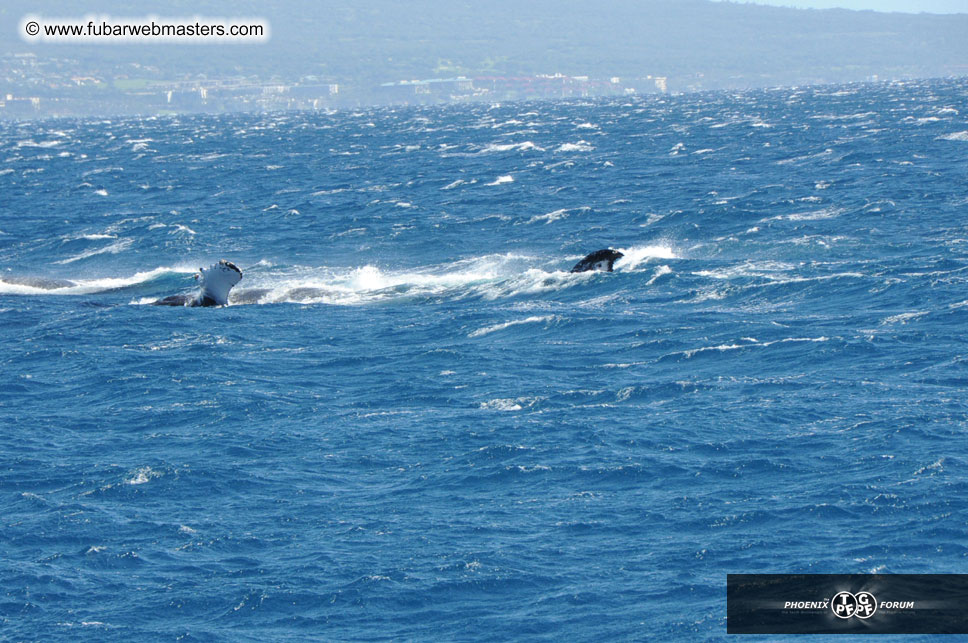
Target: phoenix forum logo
column 847, row 605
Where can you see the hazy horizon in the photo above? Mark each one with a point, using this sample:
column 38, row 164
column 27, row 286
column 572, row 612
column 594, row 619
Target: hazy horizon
column 881, row 6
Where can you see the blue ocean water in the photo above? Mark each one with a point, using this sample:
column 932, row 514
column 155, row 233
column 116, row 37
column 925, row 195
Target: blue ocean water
column 414, row 423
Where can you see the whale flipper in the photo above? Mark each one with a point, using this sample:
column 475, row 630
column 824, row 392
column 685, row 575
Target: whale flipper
column 600, row 260
column 216, row 282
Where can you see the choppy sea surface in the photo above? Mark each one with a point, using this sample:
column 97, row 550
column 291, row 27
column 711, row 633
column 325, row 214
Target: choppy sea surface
column 412, row 422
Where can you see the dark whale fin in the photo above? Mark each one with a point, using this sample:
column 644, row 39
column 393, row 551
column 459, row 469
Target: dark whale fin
column 175, row 300
column 600, row 260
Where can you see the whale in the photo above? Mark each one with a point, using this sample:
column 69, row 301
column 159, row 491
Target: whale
column 599, row 261
column 215, row 282
column 44, row 283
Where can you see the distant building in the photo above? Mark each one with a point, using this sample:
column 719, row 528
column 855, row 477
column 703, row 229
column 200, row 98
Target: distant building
column 427, row 91
column 19, row 106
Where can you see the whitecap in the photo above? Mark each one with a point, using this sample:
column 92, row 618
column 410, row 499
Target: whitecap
column 721, row 348
column 501, row 180
column 956, row 136
column 41, row 144
column 502, row 405
column 88, row 286
column 549, row 217
column 580, row 146
column 813, row 215
column 142, row 475
column 640, row 254
column 903, row 318
column 487, row 330
column 752, row 342
column 661, row 271
column 115, row 248
column 507, row 147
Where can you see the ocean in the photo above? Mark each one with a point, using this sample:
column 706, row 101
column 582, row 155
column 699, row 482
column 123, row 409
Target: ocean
column 412, row 422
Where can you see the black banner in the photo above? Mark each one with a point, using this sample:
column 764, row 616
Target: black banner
column 847, row 604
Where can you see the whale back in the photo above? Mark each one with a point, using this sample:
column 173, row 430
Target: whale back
column 600, row 260
column 216, row 282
